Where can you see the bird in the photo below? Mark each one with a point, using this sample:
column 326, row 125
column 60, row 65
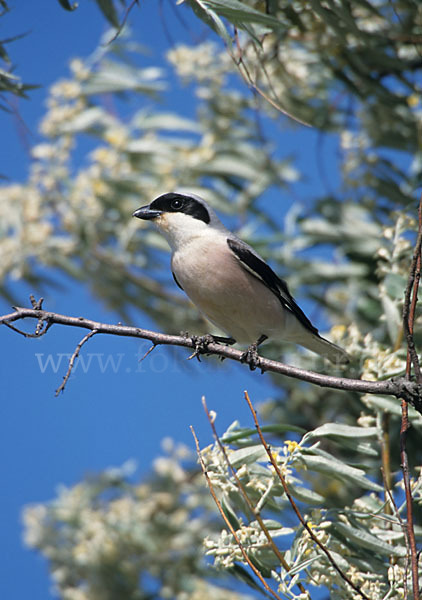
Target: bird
column 230, row 284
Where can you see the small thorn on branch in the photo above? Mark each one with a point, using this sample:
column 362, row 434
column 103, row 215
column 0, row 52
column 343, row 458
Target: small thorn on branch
column 148, row 352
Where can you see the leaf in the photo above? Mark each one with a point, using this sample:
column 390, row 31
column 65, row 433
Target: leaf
column 3, row 54
column 120, row 78
column 347, row 436
column 149, row 146
column 83, row 121
column 211, row 19
column 242, row 574
column 168, row 121
column 391, row 405
column 392, row 317
column 230, row 165
column 247, row 456
column 340, row 430
column 338, row 470
column 238, row 13
column 366, row 540
column 68, row 5
column 306, row 495
column 108, row 10
column 357, row 447
column 6, row 75
column 229, row 512
column 303, row 565
column 239, row 433
column 275, row 527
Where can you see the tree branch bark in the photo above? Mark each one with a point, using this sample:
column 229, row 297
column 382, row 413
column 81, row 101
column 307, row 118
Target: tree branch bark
column 400, row 388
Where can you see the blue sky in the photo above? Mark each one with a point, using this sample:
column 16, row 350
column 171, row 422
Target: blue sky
column 105, row 416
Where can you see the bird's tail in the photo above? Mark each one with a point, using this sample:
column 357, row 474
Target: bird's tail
column 321, row 346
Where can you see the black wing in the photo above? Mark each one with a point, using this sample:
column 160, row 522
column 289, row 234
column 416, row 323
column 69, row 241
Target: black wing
column 177, row 283
column 252, row 263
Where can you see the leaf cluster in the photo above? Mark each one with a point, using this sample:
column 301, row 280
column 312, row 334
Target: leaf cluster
column 10, row 83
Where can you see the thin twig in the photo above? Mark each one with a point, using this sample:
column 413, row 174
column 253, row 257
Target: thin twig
column 72, row 360
column 123, row 23
column 226, row 520
column 410, row 301
column 39, row 330
column 255, row 512
column 294, row 505
column 409, row 309
column 393, row 387
column 385, row 455
column 411, row 543
column 403, row 526
column 248, row 79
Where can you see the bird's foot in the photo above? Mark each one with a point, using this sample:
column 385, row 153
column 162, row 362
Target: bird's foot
column 251, row 356
column 201, row 343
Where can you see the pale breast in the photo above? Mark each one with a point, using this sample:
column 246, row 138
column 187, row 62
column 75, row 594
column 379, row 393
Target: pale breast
column 230, row 297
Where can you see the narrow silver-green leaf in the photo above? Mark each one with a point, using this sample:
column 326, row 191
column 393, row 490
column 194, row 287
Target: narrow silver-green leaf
column 362, row 538
column 340, row 430
column 246, row 456
column 339, row 470
column 239, row 434
column 238, row 12
column 306, row 495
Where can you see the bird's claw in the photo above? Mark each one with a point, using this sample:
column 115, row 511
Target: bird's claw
column 251, row 357
column 200, row 343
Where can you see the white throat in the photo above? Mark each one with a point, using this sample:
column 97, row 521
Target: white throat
column 180, row 229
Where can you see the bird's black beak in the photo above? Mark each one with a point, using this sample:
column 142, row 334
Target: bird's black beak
column 146, row 213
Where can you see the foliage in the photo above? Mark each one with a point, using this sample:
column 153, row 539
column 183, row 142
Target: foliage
column 350, row 70
column 10, row 83
column 108, row 537
column 363, row 532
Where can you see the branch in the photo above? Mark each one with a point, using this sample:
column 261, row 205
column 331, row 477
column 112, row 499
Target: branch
column 409, row 311
column 400, row 388
column 410, row 301
column 123, row 23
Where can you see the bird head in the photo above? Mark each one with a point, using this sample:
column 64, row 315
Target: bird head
column 180, row 217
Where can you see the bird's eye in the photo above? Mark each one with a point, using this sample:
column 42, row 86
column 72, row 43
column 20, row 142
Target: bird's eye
column 176, row 204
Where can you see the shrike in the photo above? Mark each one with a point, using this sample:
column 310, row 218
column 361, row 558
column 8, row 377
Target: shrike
column 227, row 280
